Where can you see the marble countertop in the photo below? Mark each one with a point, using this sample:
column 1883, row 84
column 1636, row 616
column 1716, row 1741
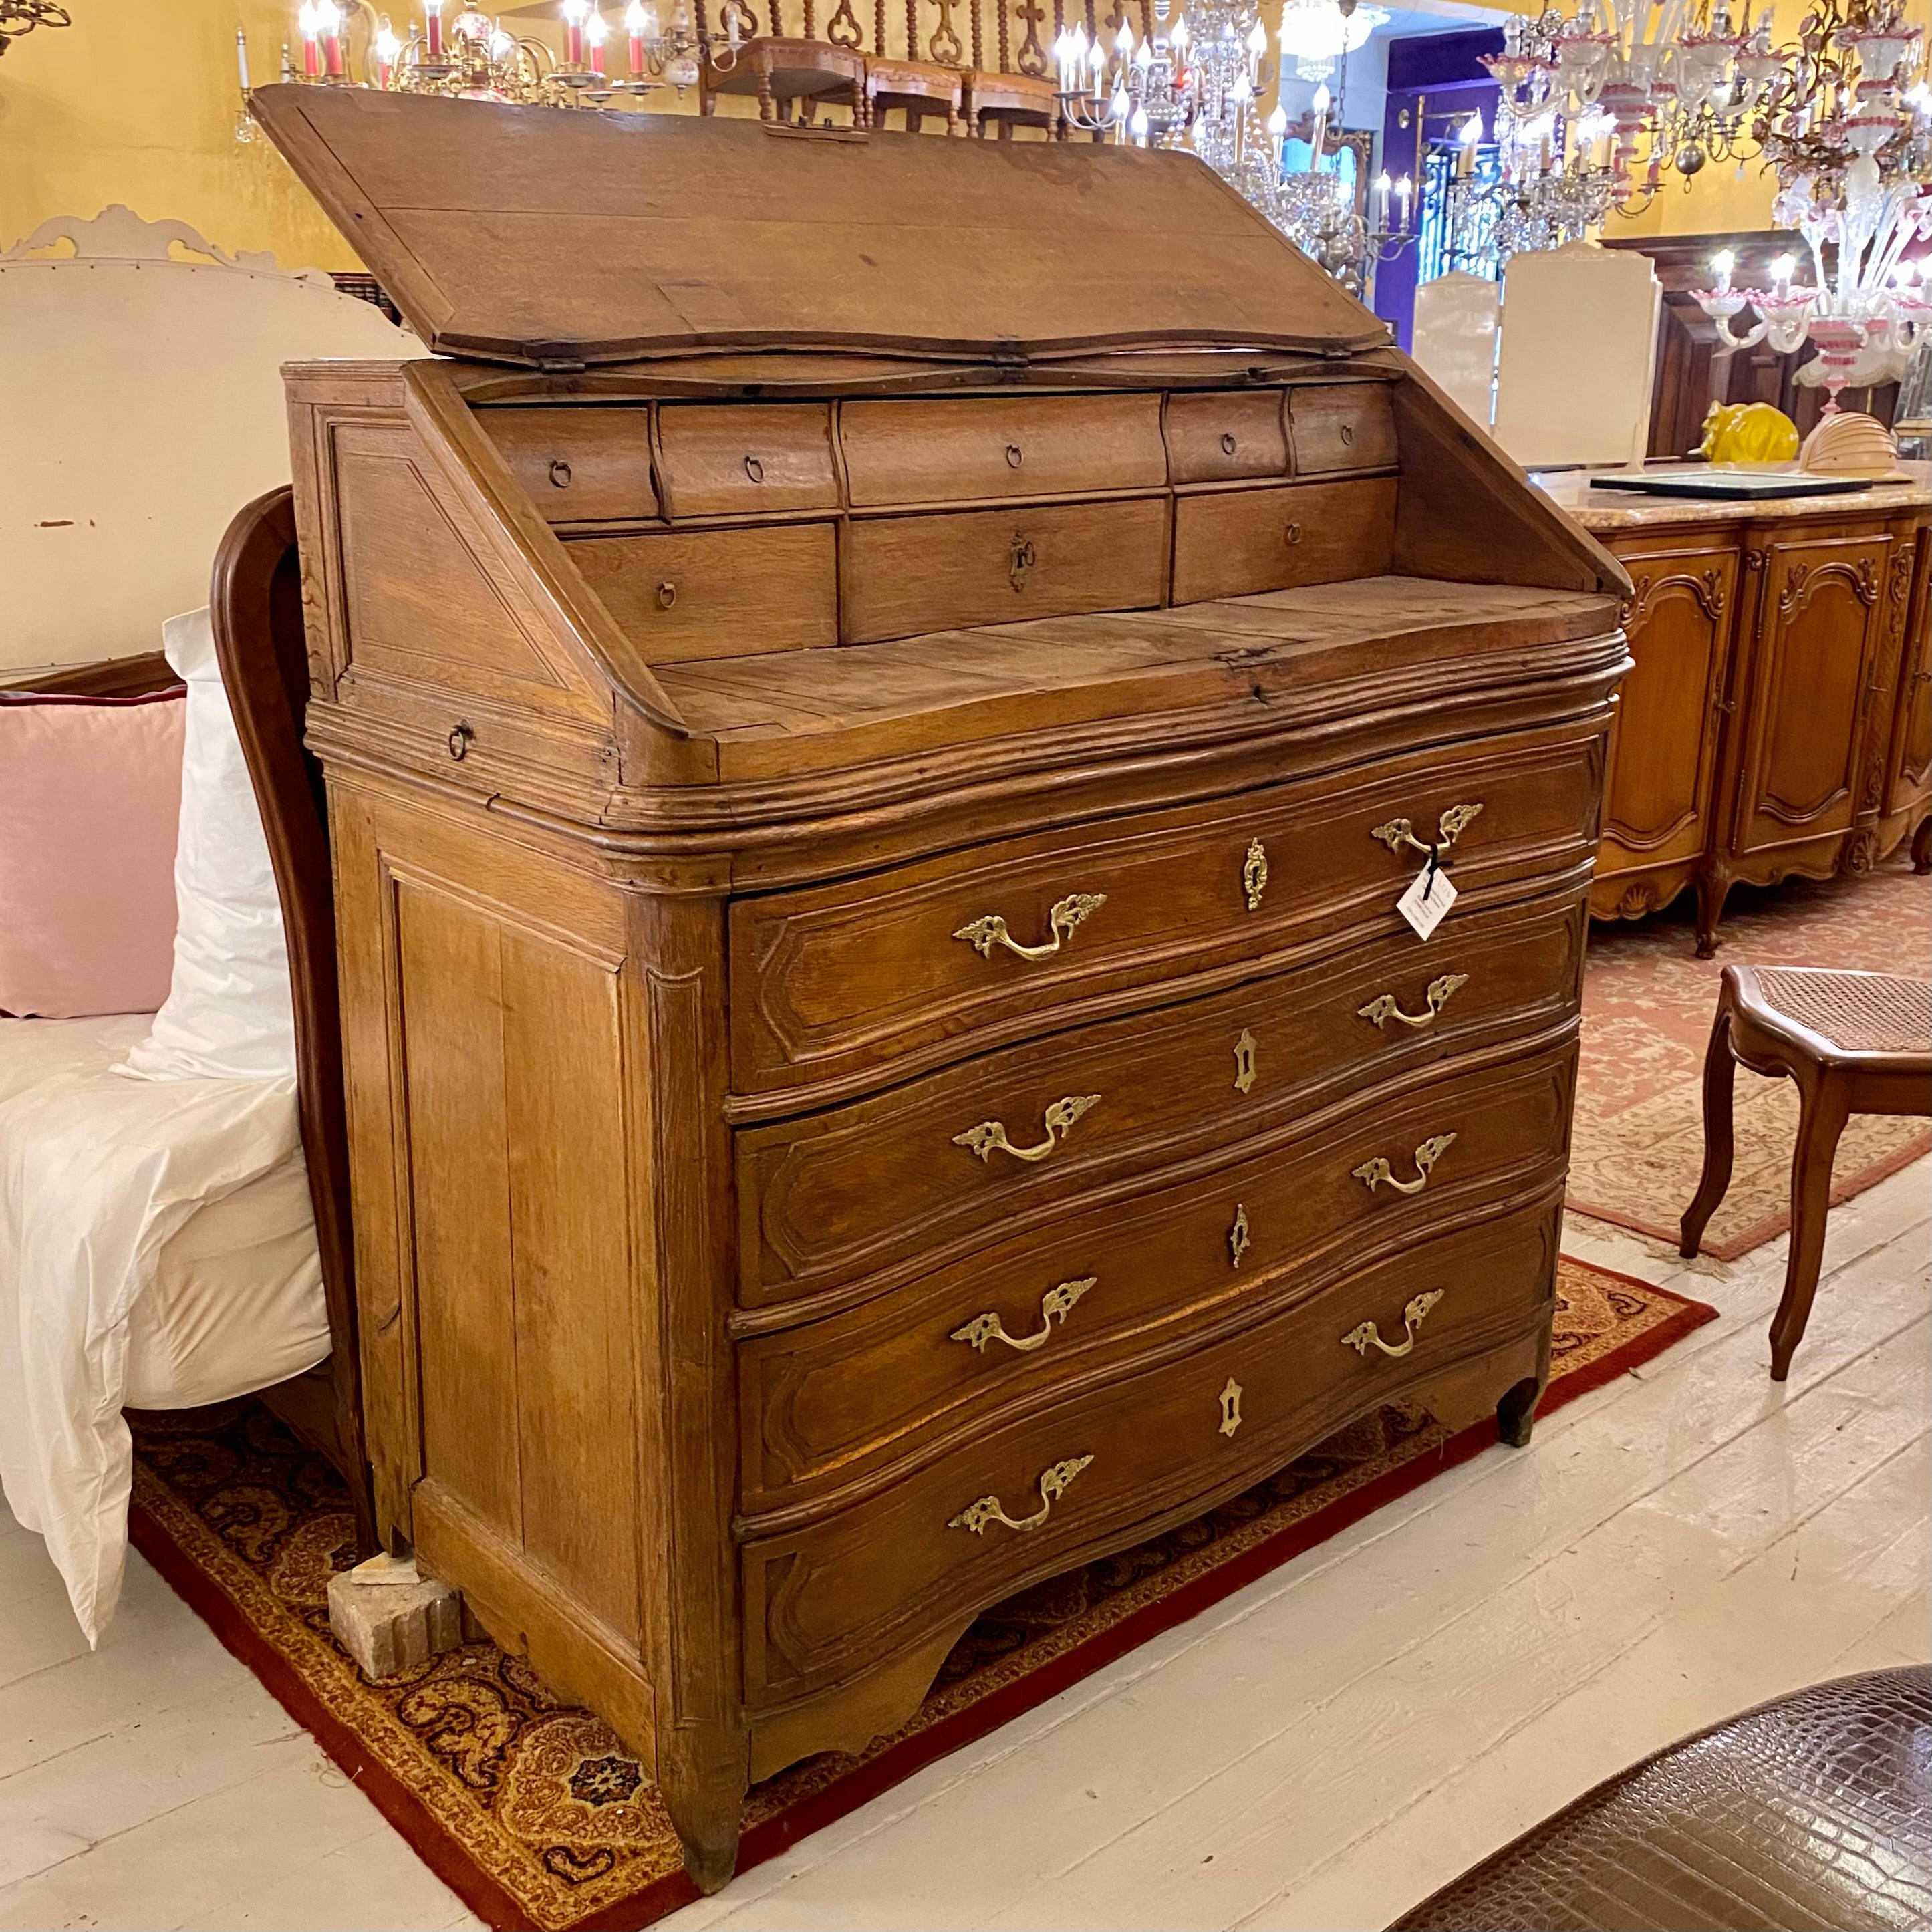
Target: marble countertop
column 1601, row 512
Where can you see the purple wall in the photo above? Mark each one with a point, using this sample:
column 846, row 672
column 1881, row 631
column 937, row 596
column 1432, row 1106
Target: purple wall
column 1435, row 81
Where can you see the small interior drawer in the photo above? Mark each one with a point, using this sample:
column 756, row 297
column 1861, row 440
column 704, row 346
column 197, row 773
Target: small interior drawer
column 1237, row 542
column 904, row 575
column 726, row 459
column 1346, row 426
column 966, row 449
column 686, row 595
column 578, row 465
column 1224, row 436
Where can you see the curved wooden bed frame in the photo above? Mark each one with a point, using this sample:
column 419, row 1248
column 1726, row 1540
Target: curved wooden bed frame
column 255, row 604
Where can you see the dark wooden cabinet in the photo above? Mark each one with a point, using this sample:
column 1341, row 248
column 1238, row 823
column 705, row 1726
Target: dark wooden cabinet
column 872, row 774
column 1777, row 719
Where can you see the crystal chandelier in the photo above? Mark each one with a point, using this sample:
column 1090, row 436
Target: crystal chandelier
column 1849, row 134
column 1315, row 34
column 22, row 16
column 1555, row 175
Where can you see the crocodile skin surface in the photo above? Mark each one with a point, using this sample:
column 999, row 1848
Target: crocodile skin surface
column 1810, row 1814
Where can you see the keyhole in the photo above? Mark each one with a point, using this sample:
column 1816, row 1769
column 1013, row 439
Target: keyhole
column 1227, row 443
column 754, row 470
column 1244, row 1062
column 667, row 595
column 559, row 473
column 1014, row 457
column 1230, row 1407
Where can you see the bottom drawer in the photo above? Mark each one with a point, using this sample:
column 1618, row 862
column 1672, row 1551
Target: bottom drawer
column 1091, row 1473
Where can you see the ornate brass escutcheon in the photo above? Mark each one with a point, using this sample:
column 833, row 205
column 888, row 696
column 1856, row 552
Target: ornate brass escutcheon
column 1399, row 832
column 989, row 930
column 1244, row 1062
column 1238, row 1242
column 1230, row 1407
column 1255, row 874
column 1373, row 1173
column 1384, row 1007
column 1366, row 1335
column 1022, row 560
column 1059, row 1118
column 1053, row 1484
column 1057, row 1303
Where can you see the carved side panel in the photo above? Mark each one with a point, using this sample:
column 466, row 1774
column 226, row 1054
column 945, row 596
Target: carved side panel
column 1909, row 760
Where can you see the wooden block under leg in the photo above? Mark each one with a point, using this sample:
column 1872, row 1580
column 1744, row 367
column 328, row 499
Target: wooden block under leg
column 390, row 1617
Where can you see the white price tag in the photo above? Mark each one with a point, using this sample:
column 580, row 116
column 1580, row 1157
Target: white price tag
column 1429, row 895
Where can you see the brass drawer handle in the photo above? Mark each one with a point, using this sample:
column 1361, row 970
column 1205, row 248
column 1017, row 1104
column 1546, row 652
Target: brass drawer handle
column 1361, row 1337
column 1057, row 1303
column 667, row 595
column 1348, row 435
column 989, row 930
column 1059, row 1120
column 1399, row 832
column 1015, row 456
column 1292, row 534
column 1373, row 1173
column 1053, row 1484
column 754, row 470
column 1227, row 443
column 559, row 473
column 1255, row 874
column 1383, row 1007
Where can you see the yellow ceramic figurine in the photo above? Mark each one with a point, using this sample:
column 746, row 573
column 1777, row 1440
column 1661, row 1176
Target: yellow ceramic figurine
column 1749, row 433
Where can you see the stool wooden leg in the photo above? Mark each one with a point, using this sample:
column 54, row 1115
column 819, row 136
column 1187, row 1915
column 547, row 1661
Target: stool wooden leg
column 1821, row 1122
column 1720, row 1075
column 1922, row 848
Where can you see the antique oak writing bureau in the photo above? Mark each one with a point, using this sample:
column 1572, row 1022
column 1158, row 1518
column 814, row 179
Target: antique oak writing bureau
column 878, row 705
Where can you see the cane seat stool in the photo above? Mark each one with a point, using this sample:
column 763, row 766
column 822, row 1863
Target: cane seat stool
column 787, row 75
column 916, row 90
column 1855, row 1043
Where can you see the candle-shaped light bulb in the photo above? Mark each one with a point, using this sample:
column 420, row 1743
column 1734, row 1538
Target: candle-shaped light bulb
column 329, row 19
column 1243, row 91
column 386, row 47
column 242, row 57
column 1723, row 264
column 1143, row 57
column 596, row 32
column 1178, row 40
column 433, row 20
column 1382, row 186
column 1138, row 126
column 1124, row 41
column 574, row 11
column 1257, row 39
column 634, row 30
column 1321, row 134
column 1277, row 132
column 1120, row 107
column 1784, row 268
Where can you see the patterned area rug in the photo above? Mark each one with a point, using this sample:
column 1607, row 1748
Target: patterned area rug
column 535, row 1814
column 1639, row 1141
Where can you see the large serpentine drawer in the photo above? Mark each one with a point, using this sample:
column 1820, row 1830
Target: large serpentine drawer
column 865, row 1193
column 851, row 1398
column 838, row 986
column 1048, row 1487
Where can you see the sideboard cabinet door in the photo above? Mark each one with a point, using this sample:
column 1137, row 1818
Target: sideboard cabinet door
column 1662, row 763
column 1820, row 621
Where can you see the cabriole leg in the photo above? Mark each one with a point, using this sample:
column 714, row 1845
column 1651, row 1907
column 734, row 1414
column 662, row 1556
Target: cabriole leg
column 1819, row 1125
column 1720, row 1075
column 704, row 1781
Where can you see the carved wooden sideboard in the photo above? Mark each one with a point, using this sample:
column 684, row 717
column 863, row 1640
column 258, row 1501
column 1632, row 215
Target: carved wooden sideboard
column 1779, row 718
column 874, row 736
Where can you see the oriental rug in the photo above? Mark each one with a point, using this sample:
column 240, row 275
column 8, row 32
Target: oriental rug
column 535, row 1814
column 1637, row 1148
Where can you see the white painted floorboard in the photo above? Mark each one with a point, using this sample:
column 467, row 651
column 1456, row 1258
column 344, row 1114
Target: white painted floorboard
column 1317, row 1752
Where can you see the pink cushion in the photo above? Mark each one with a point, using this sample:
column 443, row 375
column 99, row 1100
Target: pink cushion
column 90, row 798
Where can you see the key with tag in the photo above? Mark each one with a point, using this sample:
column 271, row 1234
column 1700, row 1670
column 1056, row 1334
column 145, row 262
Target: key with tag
column 1429, row 898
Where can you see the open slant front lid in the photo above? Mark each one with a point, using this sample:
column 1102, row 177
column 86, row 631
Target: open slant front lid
column 553, row 237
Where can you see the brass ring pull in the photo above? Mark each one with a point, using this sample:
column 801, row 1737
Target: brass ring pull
column 1056, row 1304
column 1015, row 456
column 667, row 595
column 989, row 930
column 559, row 473
column 460, row 737
column 1373, row 1173
column 1292, row 533
column 1053, row 1484
column 1383, row 1006
column 1059, row 1120
column 1227, row 443
column 754, row 470
column 1366, row 1334
column 1347, row 436
column 1399, row 832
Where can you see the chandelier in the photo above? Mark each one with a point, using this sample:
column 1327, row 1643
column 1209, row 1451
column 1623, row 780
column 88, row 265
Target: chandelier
column 1849, row 134
column 1317, row 34
column 22, row 16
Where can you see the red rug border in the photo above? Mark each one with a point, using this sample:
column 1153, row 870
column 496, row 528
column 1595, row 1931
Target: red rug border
column 434, row 1844
column 1772, row 1226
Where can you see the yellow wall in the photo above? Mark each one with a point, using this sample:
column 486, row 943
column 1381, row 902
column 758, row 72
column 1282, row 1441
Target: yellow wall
column 136, row 102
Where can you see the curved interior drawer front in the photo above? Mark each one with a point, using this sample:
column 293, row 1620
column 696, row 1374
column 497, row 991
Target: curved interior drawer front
column 1342, row 426
column 838, row 1195
column 746, row 458
column 1227, row 435
column 828, row 1401
column 585, row 465
column 1068, row 1481
column 863, row 980
column 969, row 448
column 1239, row 543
